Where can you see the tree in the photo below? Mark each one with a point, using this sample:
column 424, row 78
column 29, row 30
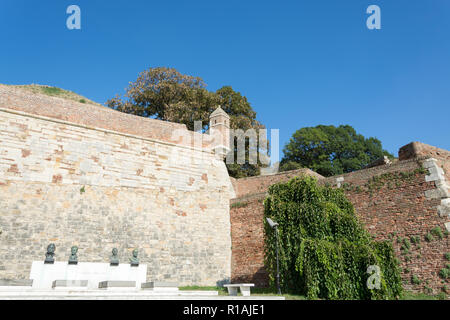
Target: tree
column 331, row 150
column 325, row 251
column 290, row 165
column 166, row 94
column 242, row 117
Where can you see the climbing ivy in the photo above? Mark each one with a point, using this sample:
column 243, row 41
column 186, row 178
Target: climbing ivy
column 324, row 250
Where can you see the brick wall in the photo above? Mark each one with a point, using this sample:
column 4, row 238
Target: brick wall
column 247, row 234
column 72, row 184
column 395, row 201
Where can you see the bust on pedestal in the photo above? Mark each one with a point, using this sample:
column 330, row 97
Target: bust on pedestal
column 114, row 260
column 134, row 261
column 73, row 259
column 49, row 256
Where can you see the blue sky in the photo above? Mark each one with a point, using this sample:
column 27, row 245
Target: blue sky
column 300, row 63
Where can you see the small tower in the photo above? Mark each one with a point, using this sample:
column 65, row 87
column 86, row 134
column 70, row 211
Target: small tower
column 219, row 128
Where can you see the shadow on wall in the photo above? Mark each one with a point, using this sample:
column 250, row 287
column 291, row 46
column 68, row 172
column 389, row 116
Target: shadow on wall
column 260, row 278
column 220, row 283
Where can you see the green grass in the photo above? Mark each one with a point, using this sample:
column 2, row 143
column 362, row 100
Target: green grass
column 418, row 296
column 269, row 292
column 52, row 91
column 222, row 291
column 55, row 92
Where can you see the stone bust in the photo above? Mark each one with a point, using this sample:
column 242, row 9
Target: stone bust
column 73, row 259
column 134, row 261
column 49, row 256
column 114, row 261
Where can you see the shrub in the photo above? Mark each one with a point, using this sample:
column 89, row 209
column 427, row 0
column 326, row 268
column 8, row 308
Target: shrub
column 444, row 273
column 442, row 296
column 447, row 256
column 415, row 280
column 415, row 239
column 437, row 232
column 325, row 251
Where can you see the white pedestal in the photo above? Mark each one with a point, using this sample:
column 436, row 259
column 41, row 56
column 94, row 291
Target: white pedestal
column 43, row 275
column 158, row 286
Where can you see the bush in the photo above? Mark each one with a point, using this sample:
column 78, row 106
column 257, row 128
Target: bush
column 444, row 273
column 415, row 239
column 324, row 250
column 415, row 280
column 437, row 232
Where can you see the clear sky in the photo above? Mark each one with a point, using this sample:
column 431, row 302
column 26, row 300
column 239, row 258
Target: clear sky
column 300, row 63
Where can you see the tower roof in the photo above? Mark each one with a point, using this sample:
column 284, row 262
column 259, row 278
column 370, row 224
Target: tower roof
column 219, row 112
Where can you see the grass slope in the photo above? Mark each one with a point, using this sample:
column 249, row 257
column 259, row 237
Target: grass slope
column 55, row 92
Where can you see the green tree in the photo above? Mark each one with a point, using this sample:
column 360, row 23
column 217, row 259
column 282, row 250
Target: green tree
column 166, row 94
column 325, row 250
column 242, row 117
column 331, row 150
column 290, row 165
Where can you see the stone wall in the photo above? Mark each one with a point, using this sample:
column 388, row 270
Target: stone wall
column 400, row 201
column 72, row 183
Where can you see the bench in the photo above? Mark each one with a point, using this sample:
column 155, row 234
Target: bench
column 244, row 287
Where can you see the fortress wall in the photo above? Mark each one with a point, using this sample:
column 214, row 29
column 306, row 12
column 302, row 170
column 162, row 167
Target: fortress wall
column 72, row 184
column 258, row 184
column 97, row 116
column 398, row 202
column 394, row 201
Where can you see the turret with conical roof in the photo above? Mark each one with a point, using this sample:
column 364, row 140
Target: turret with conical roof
column 219, row 127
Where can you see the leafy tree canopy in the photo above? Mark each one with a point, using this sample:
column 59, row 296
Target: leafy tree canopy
column 331, row 150
column 166, row 94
